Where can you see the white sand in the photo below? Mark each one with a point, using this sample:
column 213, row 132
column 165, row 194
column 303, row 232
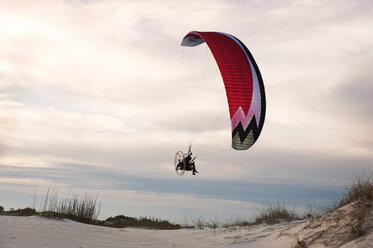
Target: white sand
column 42, row 232
column 336, row 229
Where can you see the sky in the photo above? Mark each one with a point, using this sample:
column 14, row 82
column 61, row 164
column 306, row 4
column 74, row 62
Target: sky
column 97, row 96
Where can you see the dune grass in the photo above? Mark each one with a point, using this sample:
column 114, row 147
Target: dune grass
column 361, row 189
column 196, row 221
column 86, row 209
column 271, row 213
column 83, row 209
column 274, row 213
column 238, row 221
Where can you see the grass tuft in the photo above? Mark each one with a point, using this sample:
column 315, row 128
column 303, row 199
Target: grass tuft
column 274, row 213
column 361, row 189
column 214, row 223
column 238, row 221
column 198, row 222
column 83, row 209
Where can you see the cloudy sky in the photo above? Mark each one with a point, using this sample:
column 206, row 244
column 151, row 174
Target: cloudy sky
column 94, row 94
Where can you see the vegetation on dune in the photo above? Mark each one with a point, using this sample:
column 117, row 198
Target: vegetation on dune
column 151, row 223
column 238, row 221
column 271, row 214
column 86, row 209
column 18, row 212
column 274, row 213
column 361, row 189
column 83, row 209
column 22, row 212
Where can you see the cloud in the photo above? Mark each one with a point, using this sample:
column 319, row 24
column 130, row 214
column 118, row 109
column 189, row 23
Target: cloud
column 354, row 95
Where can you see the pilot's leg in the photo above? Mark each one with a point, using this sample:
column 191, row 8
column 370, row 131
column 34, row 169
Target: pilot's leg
column 194, row 169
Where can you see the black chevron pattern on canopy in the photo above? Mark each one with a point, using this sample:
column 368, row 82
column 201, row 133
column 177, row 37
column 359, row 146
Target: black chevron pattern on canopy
column 244, row 133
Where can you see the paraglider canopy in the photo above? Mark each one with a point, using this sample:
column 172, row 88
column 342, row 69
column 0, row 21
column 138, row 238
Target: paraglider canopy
column 243, row 84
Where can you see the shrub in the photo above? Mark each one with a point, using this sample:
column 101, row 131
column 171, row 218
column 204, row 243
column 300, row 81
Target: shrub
column 145, row 222
column 21, row 212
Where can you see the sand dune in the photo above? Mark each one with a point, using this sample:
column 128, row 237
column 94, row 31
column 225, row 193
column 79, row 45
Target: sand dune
column 347, row 227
